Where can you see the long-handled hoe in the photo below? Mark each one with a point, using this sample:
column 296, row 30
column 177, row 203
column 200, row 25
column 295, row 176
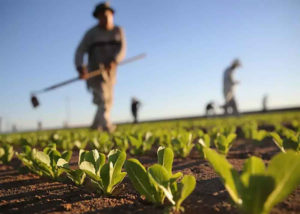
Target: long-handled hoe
column 35, row 102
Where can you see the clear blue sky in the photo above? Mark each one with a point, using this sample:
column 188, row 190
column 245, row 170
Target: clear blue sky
column 189, row 44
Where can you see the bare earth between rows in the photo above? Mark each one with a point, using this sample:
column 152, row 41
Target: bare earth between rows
column 29, row 193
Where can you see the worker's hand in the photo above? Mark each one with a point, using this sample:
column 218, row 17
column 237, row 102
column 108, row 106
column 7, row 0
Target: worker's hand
column 111, row 66
column 83, row 72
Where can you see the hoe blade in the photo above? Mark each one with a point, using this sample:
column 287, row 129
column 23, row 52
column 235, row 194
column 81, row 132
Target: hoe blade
column 34, row 101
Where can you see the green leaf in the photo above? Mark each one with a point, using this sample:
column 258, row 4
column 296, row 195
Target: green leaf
column 2, row 152
column 162, row 178
column 139, row 178
column 277, row 140
column 62, row 163
column 6, row 153
column 175, row 177
column 67, row 155
column 229, row 176
column 77, row 176
column 117, row 158
column 223, row 142
column 252, row 166
column 81, row 156
column 256, row 192
column 134, row 141
column 100, row 163
column 111, row 172
column 94, row 157
column 185, row 188
column 54, row 156
column 165, row 158
column 42, row 157
column 285, row 169
column 199, row 145
column 89, row 169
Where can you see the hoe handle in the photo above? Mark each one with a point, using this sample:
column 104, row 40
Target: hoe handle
column 126, row 61
column 90, row 75
column 60, row 84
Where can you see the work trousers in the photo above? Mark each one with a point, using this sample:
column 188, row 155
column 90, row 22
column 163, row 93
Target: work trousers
column 231, row 105
column 102, row 88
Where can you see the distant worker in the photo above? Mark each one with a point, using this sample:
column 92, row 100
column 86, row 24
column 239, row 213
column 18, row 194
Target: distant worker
column 40, row 125
column 228, row 90
column 264, row 103
column 135, row 105
column 210, row 109
column 105, row 45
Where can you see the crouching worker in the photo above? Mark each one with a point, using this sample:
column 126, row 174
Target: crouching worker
column 210, row 109
column 105, row 45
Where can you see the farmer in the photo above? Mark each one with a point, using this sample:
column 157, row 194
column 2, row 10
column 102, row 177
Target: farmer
column 105, row 45
column 210, row 109
column 135, row 105
column 228, row 90
column 264, row 103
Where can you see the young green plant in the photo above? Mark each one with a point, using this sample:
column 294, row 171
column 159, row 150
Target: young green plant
column 45, row 163
column 224, row 142
column 289, row 141
column 106, row 176
column 158, row 182
column 257, row 189
column 204, row 139
column 6, row 153
column 182, row 144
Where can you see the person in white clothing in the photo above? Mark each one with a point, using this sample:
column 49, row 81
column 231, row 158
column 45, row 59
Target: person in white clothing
column 228, row 90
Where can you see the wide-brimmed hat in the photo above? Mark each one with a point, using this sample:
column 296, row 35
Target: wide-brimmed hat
column 102, row 7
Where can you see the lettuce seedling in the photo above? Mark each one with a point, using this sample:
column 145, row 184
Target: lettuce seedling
column 251, row 131
column 140, row 144
column 6, row 153
column 225, row 130
column 204, row 139
column 45, row 163
column 106, row 176
column 223, row 143
column 289, row 141
column 158, row 182
column 77, row 175
column 183, row 144
column 257, row 189
column 121, row 143
column 259, row 135
column 103, row 143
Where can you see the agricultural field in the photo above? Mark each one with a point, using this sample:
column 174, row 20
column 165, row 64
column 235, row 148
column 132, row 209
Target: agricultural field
column 246, row 164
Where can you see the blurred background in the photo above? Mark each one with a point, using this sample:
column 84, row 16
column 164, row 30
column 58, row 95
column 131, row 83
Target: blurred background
column 189, row 44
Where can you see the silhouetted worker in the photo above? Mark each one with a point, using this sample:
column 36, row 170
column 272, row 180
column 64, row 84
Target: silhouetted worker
column 135, row 105
column 210, row 109
column 105, row 44
column 264, row 102
column 40, row 125
column 229, row 85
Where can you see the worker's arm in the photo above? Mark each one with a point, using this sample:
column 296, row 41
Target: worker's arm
column 121, row 54
column 232, row 80
column 79, row 54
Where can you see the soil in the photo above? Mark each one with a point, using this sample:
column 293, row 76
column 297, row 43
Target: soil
column 29, row 193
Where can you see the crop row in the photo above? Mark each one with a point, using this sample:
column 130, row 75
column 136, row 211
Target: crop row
column 157, row 183
column 103, row 163
column 180, row 141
